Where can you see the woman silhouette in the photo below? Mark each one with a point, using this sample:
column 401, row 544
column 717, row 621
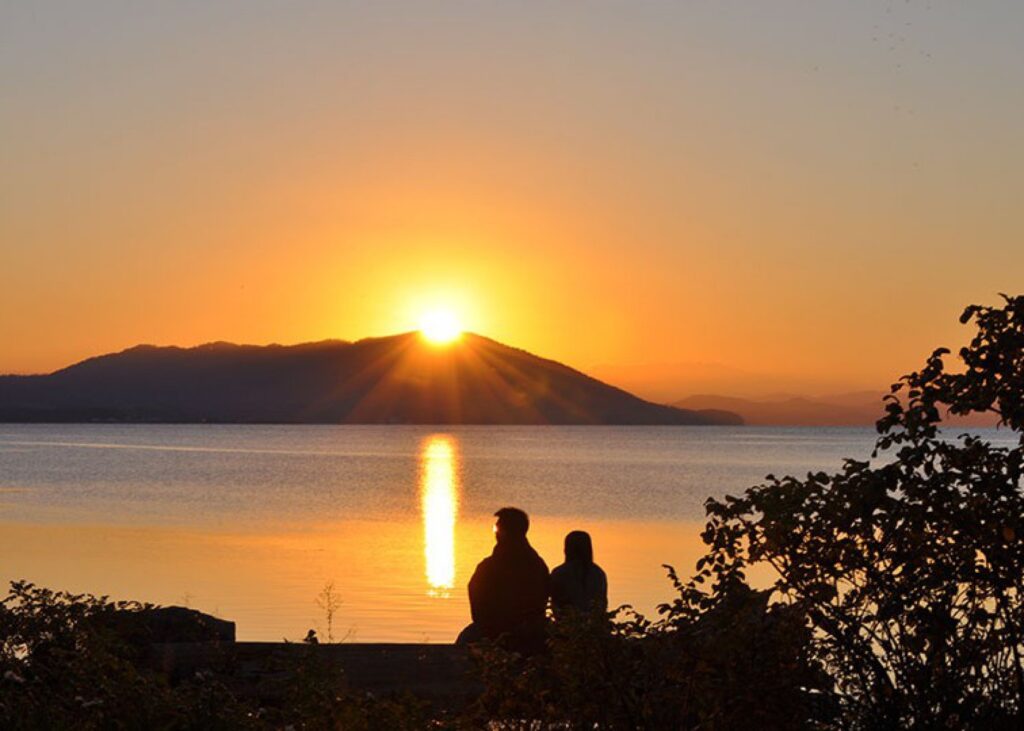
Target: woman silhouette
column 579, row 584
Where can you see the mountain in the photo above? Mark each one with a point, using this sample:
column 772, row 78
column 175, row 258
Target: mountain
column 794, row 410
column 862, row 408
column 397, row 379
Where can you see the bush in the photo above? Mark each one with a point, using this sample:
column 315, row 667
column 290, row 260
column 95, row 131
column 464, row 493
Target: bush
column 741, row 665
column 64, row 663
column 909, row 573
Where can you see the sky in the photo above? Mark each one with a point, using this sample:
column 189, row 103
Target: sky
column 799, row 191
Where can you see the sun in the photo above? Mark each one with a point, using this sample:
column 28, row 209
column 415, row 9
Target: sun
column 440, row 327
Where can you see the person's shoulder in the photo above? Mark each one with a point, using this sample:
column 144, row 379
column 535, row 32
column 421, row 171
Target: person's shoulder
column 559, row 570
column 532, row 561
column 483, row 566
column 540, row 562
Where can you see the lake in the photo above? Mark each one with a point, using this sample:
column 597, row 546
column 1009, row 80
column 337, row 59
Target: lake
column 253, row 522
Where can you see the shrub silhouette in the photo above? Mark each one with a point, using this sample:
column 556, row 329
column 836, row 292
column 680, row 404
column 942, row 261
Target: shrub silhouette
column 741, row 665
column 909, row 569
column 64, row 665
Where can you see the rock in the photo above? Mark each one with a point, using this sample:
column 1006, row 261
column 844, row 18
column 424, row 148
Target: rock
column 160, row 625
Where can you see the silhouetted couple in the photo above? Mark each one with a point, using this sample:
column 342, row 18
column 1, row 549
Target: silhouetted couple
column 509, row 591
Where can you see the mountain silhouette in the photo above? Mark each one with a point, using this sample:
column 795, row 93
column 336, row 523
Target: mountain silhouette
column 857, row 410
column 398, row 379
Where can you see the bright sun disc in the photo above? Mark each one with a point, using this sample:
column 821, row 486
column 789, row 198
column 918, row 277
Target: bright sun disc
column 440, row 326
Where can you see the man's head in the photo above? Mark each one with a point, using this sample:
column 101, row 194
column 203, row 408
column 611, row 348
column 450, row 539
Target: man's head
column 512, row 523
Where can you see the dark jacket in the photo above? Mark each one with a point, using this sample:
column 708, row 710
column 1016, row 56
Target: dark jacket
column 508, row 593
column 578, row 586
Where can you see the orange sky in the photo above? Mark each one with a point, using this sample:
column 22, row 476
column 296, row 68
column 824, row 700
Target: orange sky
column 808, row 193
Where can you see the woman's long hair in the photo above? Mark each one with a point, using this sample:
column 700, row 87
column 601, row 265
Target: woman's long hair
column 578, row 547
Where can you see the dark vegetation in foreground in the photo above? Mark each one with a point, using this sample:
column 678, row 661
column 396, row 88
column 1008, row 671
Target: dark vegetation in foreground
column 897, row 604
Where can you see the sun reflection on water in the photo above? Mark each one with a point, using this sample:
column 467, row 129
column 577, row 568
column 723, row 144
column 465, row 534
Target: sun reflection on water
column 439, row 498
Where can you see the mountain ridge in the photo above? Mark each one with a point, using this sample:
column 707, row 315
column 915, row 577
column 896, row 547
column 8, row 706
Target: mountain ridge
column 391, row 379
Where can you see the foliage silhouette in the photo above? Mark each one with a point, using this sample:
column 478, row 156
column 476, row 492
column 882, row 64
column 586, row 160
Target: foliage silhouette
column 63, row 665
column 909, row 570
column 740, row 666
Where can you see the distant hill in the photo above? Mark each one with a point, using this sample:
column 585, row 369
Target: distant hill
column 666, row 383
column 398, row 379
column 862, row 408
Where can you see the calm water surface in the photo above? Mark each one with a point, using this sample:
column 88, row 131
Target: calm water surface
column 252, row 522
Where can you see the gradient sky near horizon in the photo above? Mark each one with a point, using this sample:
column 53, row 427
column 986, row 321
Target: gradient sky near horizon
column 784, row 187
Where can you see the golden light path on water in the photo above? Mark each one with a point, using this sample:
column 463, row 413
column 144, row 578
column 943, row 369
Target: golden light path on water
column 439, row 496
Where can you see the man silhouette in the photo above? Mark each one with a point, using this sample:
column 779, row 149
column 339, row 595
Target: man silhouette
column 508, row 593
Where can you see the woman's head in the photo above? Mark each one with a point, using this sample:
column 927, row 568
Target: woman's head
column 578, row 547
